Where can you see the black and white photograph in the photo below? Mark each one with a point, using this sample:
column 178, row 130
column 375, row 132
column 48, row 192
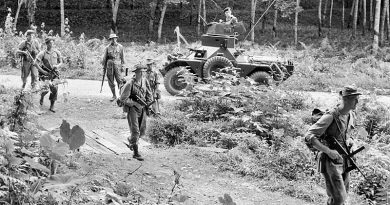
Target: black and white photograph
column 194, row 102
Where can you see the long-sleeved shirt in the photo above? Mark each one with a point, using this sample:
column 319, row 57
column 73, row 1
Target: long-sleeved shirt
column 131, row 88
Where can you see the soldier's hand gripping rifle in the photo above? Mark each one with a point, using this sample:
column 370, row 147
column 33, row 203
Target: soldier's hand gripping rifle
column 50, row 71
column 147, row 106
column 348, row 155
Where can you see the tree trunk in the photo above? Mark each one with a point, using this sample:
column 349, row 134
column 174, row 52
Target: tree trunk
column 325, row 8
column 153, row 6
column 319, row 17
column 204, row 16
column 115, row 8
column 17, row 13
column 343, row 15
column 31, row 7
column 199, row 15
column 62, row 18
column 382, row 21
column 376, row 26
column 371, row 14
column 253, row 15
column 355, row 15
column 274, row 28
column 364, row 16
column 160, row 24
column 296, row 24
column 387, row 20
column 350, row 19
column 330, row 14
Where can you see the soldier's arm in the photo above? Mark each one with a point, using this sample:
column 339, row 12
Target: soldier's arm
column 38, row 62
column 318, row 129
column 21, row 48
column 125, row 92
column 122, row 55
column 104, row 59
column 148, row 94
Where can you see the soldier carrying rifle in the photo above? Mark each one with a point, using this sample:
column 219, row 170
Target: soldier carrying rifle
column 28, row 50
column 48, row 62
column 113, row 61
column 154, row 83
column 329, row 136
column 136, row 96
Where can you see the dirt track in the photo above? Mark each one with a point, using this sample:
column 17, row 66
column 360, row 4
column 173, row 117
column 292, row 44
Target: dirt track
column 200, row 180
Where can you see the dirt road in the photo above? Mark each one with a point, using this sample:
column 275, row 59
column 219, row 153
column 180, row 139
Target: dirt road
column 200, row 183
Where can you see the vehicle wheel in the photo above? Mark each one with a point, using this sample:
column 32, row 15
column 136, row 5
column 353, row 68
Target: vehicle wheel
column 173, row 82
column 262, row 77
column 214, row 64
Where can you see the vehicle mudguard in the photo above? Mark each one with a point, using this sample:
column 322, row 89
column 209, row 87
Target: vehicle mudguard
column 194, row 65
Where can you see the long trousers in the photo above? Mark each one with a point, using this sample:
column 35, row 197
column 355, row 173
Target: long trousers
column 28, row 68
column 113, row 73
column 337, row 182
column 136, row 118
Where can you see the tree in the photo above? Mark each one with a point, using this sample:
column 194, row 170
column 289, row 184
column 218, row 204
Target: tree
column 253, row 14
column 115, row 8
column 199, row 15
column 153, row 6
column 376, row 26
column 31, row 6
column 343, row 15
column 364, row 16
column 319, row 18
column 355, row 16
column 383, row 20
column 163, row 10
column 62, row 18
column 274, row 29
column 297, row 10
column 330, row 14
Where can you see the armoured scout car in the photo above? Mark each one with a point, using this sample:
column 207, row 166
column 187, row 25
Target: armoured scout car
column 218, row 50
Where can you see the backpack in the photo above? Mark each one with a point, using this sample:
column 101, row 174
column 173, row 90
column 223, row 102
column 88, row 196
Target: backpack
column 316, row 114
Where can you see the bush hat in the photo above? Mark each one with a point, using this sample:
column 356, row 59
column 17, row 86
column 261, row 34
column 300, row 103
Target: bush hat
column 150, row 61
column 226, row 9
column 113, row 35
column 30, row 31
column 48, row 39
column 349, row 90
column 139, row 67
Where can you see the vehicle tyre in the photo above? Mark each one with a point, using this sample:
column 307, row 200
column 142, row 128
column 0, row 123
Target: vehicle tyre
column 214, row 64
column 262, row 77
column 173, row 82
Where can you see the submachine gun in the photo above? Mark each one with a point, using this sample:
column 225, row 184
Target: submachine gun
column 351, row 164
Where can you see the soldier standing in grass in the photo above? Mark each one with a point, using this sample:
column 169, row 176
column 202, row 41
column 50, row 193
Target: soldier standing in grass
column 28, row 50
column 134, row 94
column 154, row 83
column 113, row 61
column 50, row 61
column 334, row 125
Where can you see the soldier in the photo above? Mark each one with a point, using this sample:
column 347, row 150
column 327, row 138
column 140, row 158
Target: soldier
column 113, row 61
column 134, row 95
column 154, row 83
column 230, row 19
column 334, row 125
column 28, row 50
column 49, row 60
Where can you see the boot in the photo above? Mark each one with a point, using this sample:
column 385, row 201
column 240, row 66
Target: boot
column 113, row 94
column 136, row 155
column 52, row 106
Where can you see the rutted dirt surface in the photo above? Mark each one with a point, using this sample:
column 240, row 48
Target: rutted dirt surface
column 200, row 182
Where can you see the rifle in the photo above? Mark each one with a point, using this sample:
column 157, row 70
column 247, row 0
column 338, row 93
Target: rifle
column 51, row 71
column 348, row 156
column 104, row 75
column 143, row 103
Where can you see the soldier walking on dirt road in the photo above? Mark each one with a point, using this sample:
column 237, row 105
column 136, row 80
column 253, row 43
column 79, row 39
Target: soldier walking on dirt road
column 135, row 94
column 113, row 61
column 50, row 60
column 328, row 132
column 28, row 50
column 154, row 83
